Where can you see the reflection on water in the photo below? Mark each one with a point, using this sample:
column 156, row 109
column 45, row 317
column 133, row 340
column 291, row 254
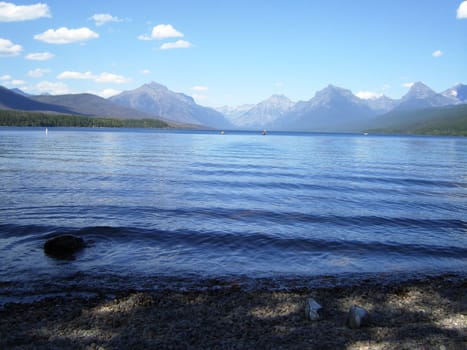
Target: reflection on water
column 158, row 202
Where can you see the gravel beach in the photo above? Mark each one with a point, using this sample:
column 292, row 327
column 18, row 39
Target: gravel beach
column 428, row 313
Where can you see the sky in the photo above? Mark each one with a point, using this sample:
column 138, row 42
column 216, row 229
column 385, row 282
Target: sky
column 232, row 52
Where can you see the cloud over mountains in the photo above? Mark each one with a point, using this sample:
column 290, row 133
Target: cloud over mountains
column 166, row 31
column 98, row 78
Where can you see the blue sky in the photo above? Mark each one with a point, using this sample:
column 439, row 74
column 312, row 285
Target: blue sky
column 232, row 52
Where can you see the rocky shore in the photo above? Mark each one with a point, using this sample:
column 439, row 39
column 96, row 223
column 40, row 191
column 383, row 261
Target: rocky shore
column 417, row 314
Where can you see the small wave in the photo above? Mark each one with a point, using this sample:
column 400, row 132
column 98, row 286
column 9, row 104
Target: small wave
column 409, row 182
column 236, row 214
column 211, row 241
column 299, row 217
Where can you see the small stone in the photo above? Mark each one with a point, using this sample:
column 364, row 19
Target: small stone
column 313, row 310
column 358, row 317
column 63, row 246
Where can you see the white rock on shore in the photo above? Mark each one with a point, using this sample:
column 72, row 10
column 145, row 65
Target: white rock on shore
column 358, row 317
column 313, row 310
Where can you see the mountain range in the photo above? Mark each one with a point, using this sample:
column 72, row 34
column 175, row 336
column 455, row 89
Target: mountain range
column 337, row 109
column 332, row 109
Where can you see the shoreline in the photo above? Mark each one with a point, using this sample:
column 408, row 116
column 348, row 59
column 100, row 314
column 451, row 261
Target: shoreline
column 425, row 312
column 81, row 284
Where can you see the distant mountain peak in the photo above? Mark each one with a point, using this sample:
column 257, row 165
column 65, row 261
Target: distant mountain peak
column 156, row 99
column 154, row 84
column 458, row 93
column 333, row 89
column 332, row 93
column 278, row 100
column 21, row 92
column 262, row 114
column 279, row 97
column 419, row 90
column 420, row 85
column 421, row 96
column 381, row 104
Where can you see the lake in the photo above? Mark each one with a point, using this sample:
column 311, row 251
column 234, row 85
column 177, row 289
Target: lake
column 197, row 204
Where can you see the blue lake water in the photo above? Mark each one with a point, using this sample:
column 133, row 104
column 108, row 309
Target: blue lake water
column 153, row 203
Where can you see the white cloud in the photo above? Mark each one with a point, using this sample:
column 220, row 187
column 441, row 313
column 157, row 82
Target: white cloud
column 165, row 31
column 462, row 10
column 17, row 82
column 8, row 49
column 103, row 18
column 12, row 13
column 408, row 85
column 145, row 71
column 99, row 78
column 111, row 78
column 368, row 95
column 76, row 75
column 200, row 88
column 38, row 72
column 162, row 31
column 40, row 56
column 66, row 36
column 106, row 93
column 179, row 44
column 437, row 53
column 52, row 88
column 7, row 79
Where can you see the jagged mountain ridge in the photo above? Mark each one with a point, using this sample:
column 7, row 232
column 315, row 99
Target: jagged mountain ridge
column 157, row 99
column 331, row 109
column 458, row 92
column 265, row 112
column 337, row 109
column 233, row 113
column 421, row 96
column 382, row 104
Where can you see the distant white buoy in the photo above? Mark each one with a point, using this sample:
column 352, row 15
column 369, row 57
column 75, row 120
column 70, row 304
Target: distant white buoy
column 46, row 131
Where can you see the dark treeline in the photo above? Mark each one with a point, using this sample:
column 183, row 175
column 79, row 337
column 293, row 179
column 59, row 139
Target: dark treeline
column 448, row 121
column 22, row 118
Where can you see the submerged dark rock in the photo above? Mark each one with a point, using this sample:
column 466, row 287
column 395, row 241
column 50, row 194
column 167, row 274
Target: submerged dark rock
column 63, row 246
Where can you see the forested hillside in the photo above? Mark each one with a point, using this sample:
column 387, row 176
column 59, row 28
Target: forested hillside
column 22, row 118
